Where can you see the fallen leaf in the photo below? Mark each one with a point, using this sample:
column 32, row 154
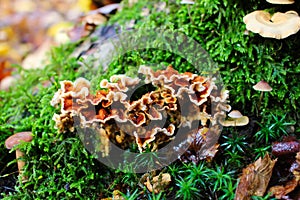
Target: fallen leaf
column 59, row 32
column 203, row 146
column 296, row 170
column 280, row 191
column 4, row 48
column 255, row 178
column 37, row 59
column 286, row 173
column 5, row 69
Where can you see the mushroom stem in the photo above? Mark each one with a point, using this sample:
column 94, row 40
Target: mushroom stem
column 21, row 164
column 189, row 13
column 259, row 102
column 15, row 140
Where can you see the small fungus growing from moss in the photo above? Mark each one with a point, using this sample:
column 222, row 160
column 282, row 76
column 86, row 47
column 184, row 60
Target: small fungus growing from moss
column 235, row 114
column 15, row 140
column 235, row 119
column 262, row 86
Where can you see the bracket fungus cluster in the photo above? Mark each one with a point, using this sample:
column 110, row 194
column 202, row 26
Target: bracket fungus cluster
column 279, row 25
column 125, row 111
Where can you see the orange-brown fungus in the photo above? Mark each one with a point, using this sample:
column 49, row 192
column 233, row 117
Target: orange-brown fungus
column 148, row 118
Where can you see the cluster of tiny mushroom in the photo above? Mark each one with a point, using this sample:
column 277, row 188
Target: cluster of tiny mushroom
column 152, row 120
column 279, row 25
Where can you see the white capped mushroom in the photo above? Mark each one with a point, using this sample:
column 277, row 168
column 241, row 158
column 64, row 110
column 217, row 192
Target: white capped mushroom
column 235, row 114
column 281, row 1
column 187, row 2
column 279, row 26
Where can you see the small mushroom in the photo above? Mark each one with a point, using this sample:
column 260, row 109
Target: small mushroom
column 281, row 1
column 279, row 26
column 262, row 86
column 235, row 114
column 14, row 140
column 187, row 2
column 235, row 119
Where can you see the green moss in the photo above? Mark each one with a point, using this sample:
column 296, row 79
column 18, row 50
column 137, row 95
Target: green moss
column 60, row 168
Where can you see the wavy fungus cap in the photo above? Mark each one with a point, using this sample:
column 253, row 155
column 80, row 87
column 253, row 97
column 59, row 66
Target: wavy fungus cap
column 152, row 119
column 281, row 1
column 241, row 121
column 278, row 26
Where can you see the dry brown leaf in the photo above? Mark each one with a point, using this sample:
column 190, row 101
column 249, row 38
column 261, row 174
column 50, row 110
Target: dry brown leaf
column 296, row 170
column 255, row 178
column 281, row 190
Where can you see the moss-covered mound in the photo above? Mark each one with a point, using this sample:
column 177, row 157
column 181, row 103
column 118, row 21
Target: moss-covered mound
column 58, row 165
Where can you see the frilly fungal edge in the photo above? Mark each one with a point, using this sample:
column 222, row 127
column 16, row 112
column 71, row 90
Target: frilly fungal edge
column 151, row 121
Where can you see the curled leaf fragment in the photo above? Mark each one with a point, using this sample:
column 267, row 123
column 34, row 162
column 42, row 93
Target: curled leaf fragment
column 255, row 178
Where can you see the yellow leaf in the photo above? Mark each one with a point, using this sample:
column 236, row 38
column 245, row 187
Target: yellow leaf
column 4, row 48
column 84, row 5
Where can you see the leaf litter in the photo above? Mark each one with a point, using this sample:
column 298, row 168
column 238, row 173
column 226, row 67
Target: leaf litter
column 279, row 177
